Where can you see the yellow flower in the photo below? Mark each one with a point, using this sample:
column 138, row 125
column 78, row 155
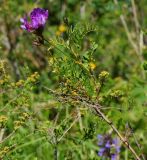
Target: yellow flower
column 116, row 94
column 26, row 115
column 18, row 124
column 20, row 83
column 74, row 93
column 62, row 28
column 4, row 151
column 92, row 65
column 3, row 118
column 33, row 78
column 103, row 75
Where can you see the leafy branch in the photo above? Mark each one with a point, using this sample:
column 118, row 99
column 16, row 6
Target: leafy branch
column 97, row 107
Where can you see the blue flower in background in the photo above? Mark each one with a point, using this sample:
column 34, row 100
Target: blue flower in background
column 109, row 147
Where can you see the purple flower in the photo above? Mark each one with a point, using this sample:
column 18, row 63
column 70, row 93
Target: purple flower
column 38, row 18
column 109, row 147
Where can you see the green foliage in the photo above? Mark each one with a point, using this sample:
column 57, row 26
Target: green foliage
column 48, row 93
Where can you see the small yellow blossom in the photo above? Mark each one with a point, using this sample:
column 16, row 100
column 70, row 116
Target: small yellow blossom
column 51, row 61
column 26, row 115
column 33, row 77
column 4, row 151
column 12, row 84
column 2, row 65
column 103, row 75
column 20, row 83
column 5, row 79
column 74, row 93
column 62, row 28
column 3, row 119
column 116, row 94
column 92, row 65
column 18, row 124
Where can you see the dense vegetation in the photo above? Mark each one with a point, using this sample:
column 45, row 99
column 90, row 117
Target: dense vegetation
column 76, row 88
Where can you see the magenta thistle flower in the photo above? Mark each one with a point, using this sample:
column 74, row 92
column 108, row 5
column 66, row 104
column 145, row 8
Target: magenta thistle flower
column 38, row 18
column 109, row 147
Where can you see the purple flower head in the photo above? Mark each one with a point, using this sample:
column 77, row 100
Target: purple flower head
column 109, row 147
column 38, row 18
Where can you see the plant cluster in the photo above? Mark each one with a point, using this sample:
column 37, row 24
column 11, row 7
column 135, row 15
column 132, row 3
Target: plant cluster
column 70, row 86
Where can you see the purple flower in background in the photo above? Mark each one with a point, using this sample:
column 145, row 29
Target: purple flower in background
column 38, row 18
column 109, row 147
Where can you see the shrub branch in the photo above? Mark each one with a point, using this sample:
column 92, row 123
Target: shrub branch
column 86, row 102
